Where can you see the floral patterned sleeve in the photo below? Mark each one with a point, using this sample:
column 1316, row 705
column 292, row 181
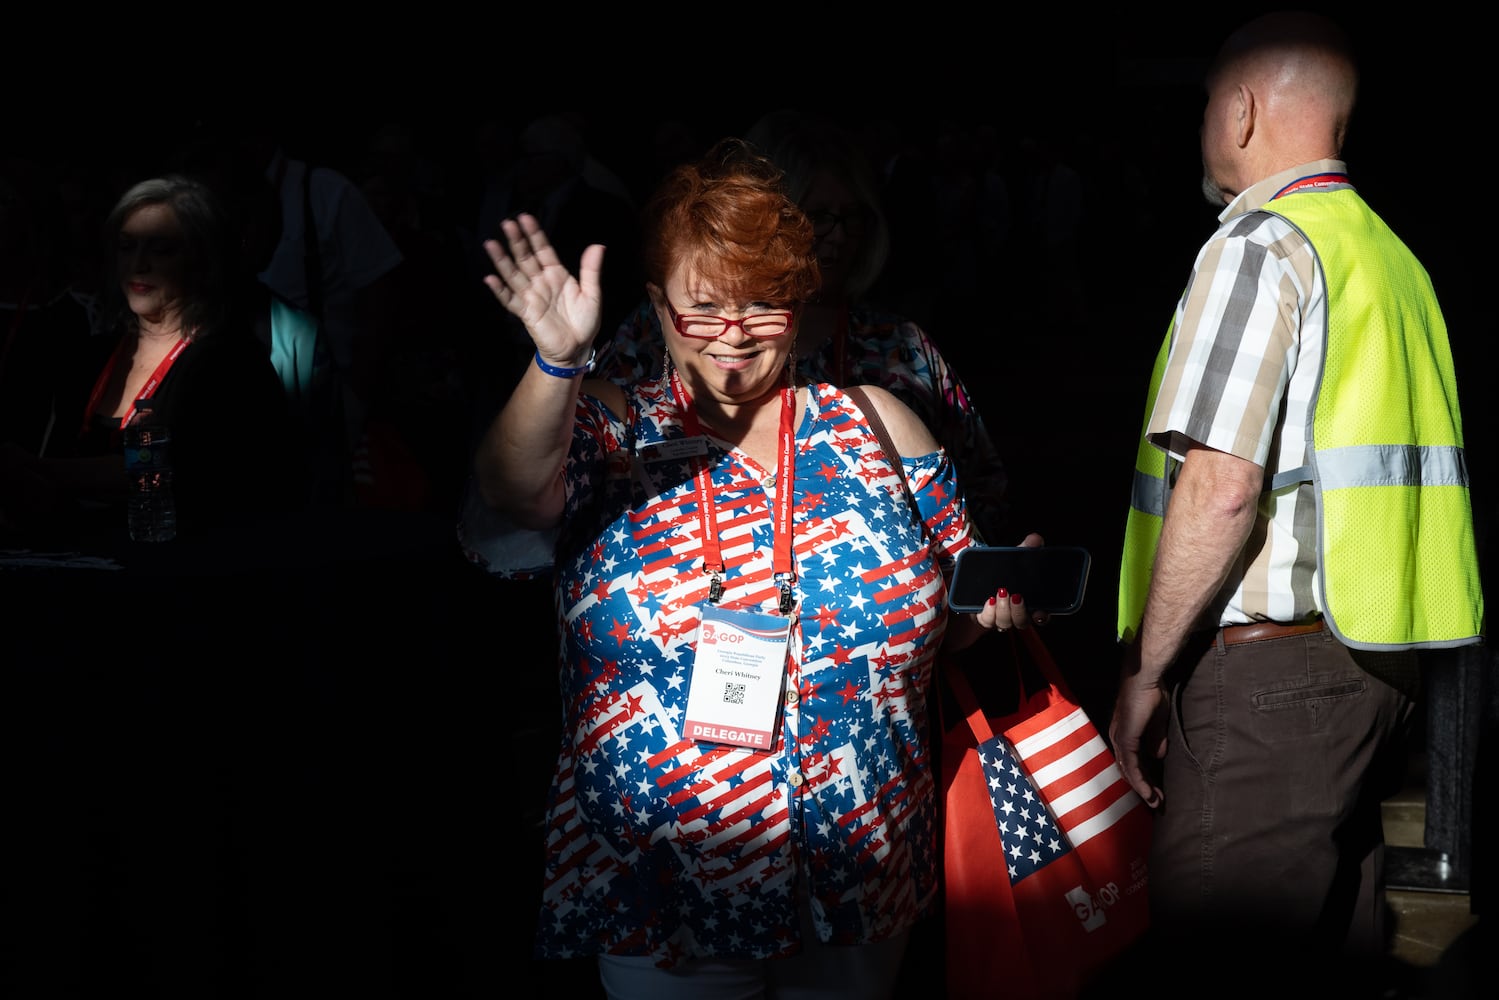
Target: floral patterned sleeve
column 634, row 352
column 960, row 428
column 894, row 352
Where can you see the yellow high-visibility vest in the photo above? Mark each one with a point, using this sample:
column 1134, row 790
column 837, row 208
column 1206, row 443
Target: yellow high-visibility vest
column 1397, row 558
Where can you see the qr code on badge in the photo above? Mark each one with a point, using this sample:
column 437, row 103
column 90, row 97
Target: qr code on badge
column 733, row 694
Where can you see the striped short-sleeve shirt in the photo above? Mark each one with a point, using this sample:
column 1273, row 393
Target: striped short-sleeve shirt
column 1245, row 363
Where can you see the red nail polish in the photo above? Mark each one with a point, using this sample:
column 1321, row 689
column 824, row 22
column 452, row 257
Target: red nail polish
column 1003, row 593
column 1016, row 598
column 991, row 602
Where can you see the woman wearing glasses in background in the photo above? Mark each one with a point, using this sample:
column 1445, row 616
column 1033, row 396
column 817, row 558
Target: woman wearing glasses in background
column 749, row 608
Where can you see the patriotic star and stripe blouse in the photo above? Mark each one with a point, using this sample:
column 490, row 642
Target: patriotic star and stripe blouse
column 658, row 845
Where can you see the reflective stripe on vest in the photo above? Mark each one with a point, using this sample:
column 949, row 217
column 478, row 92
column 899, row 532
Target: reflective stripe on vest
column 1382, row 465
column 1396, row 551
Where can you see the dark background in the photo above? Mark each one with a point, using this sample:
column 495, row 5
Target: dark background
column 317, row 763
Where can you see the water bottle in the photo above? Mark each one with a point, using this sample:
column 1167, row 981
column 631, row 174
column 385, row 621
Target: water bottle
column 150, row 508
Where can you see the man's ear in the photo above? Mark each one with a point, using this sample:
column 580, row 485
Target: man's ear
column 1245, row 111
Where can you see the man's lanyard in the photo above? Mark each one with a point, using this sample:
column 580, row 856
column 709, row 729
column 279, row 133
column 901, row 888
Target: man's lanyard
column 147, row 391
column 781, row 526
column 1325, row 180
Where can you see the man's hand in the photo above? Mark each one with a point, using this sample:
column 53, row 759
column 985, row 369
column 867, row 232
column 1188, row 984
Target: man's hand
column 1211, row 512
column 1138, row 729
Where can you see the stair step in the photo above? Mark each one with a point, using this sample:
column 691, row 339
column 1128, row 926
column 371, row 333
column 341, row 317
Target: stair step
column 1404, row 821
column 1418, row 869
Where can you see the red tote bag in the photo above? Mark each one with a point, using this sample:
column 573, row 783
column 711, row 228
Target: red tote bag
column 1044, row 843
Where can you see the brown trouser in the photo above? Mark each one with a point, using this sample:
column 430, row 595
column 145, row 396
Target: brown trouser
column 1270, row 841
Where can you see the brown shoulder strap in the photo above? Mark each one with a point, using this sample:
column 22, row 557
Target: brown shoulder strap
column 878, row 426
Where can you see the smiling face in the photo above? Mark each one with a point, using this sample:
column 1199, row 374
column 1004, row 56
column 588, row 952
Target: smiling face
column 151, row 263
column 734, row 367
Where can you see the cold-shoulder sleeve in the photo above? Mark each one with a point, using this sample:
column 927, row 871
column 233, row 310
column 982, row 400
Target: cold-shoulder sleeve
column 941, row 505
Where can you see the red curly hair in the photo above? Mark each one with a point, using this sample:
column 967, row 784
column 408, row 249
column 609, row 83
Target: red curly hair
column 727, row 219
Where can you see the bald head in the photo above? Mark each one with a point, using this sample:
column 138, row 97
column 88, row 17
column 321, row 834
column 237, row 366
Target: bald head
column 1283, row 88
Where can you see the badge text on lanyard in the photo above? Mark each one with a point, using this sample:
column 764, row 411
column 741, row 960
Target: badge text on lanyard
column 713, row 565
column 147, row 391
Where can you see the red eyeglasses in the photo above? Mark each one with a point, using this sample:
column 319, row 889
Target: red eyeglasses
column 759, row 325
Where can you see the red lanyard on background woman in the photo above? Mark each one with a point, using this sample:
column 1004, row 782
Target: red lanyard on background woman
column 147, row 391
column 781, row 527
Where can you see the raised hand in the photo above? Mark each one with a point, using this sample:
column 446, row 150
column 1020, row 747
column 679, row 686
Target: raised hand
column 560, row 312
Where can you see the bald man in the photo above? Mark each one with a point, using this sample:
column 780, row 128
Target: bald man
column 1300, row 525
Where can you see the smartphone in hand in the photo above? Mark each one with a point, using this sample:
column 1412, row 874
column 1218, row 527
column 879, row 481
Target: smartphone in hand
column 1051, row 578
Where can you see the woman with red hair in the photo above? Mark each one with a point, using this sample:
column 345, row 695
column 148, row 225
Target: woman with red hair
column 750, row 606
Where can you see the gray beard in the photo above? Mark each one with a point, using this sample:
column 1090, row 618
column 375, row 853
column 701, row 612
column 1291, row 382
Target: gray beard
column 1212, row 192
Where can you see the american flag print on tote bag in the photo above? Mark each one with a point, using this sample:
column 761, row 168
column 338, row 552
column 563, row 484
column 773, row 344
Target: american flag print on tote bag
column 1057, row 816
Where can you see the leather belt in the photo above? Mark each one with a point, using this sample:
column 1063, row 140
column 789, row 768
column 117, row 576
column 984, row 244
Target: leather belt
column 1233, row 635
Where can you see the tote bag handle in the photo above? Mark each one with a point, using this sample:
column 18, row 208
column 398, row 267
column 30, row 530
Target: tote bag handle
column 968, row 704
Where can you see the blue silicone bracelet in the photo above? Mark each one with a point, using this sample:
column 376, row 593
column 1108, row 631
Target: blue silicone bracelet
column 564, row 372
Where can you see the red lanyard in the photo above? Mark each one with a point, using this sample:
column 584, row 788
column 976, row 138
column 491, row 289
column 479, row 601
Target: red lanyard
column 147, row 391
column 1312, row 181
column 781, row 526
